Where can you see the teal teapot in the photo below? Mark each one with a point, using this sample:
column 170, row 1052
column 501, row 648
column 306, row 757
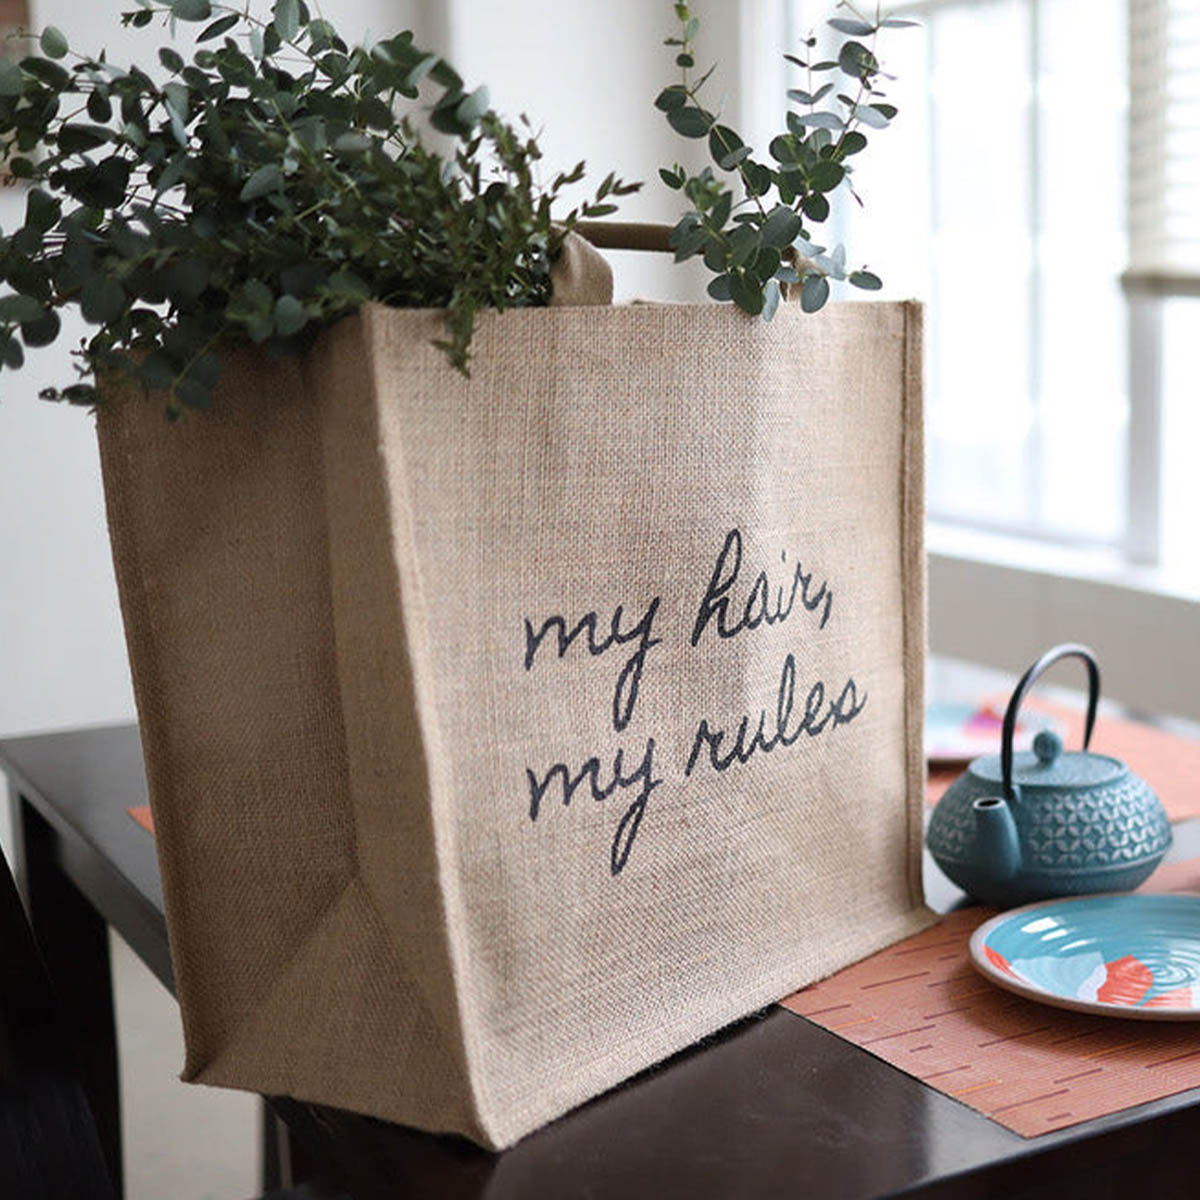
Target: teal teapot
column 1048, row 822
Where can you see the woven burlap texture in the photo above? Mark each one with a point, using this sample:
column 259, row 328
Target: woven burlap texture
column 339, row 589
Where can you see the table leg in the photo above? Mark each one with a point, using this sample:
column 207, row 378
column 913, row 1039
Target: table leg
column 271, row 1152
column 286, row 1162
column 73, row 938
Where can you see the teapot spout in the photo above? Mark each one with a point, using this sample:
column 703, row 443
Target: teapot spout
column 996, row 837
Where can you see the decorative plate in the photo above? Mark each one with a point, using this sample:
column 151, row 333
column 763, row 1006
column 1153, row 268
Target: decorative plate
column 1120, row 954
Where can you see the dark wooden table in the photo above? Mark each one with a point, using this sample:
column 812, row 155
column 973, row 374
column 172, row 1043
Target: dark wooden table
column 774, row 1106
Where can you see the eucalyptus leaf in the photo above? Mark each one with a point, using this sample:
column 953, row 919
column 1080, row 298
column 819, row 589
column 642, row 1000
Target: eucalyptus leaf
column 191, row 10
column 726, row 147
column 815, row 206
column 192, row 393
column 267, row 178
column 690, row 121
column 719, row 214
column 473, row 107
column 43, row 330
column 157, row 371
column 177, row 98
column 855, row 59
column 286, row 15
column 866, row 280
column 290, row 316
column 814, row 291
column 780, row 227
column 870, row 116
column 765, row 263
column 821, row 120
column 416, row 74
column 826, row 175
column 718, row 288
column 771, row 296
column 102, row 299
column 18, row 309
column 758, row 178
column 11, row 79
column 11, row 354
column 42, row 210
column 78, row 138
column 218, row 27
column 54, row 42
column 671, row 98
column 845, row 25
column 743, row 245
column 745, row 293
column 99, row 106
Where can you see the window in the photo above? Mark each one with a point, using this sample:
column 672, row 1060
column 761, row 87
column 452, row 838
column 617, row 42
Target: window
column 1041, row 191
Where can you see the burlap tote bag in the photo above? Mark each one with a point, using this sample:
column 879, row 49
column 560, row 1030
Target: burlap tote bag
column 506, row 735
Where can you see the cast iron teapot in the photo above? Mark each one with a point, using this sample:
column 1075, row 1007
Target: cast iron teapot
column 1048, row 822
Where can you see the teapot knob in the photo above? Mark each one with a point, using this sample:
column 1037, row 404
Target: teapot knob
column 1047, row 746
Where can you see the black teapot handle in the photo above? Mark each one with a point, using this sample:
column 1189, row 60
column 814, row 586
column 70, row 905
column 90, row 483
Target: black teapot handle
column 1066, row 650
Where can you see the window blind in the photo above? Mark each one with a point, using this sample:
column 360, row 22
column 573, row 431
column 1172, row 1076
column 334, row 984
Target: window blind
column 1164, row 146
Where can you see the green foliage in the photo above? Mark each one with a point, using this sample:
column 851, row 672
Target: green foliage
column 272, row 186
column 759, row 241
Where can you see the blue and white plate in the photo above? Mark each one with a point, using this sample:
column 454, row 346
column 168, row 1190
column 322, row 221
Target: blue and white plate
column 1123, row 955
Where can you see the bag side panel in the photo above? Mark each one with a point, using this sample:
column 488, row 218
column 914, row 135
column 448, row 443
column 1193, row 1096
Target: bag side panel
column 914, row 567
column 219, row 541
column 391, row 730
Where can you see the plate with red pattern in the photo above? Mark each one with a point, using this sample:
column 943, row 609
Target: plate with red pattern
column 1124, row 955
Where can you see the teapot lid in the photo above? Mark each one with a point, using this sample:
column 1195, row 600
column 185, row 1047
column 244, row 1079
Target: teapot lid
column 1049, row 766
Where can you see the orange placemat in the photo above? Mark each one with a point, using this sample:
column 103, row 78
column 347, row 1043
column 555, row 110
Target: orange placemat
column 922, row 1007
column 1168, row 763
column 141, row 814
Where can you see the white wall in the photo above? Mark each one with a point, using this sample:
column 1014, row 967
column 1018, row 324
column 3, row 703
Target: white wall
column 586, row 75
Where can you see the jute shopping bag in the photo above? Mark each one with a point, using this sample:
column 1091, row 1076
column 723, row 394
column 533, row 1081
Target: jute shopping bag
column 506, row 735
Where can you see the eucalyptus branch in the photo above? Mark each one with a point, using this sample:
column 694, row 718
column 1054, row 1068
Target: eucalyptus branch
column 297, row 190
column 754, row 255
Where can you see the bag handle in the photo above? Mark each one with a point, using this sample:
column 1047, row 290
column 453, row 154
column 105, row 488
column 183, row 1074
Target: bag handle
column 1066, row 650
column 582, row 276
column 626, row 235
